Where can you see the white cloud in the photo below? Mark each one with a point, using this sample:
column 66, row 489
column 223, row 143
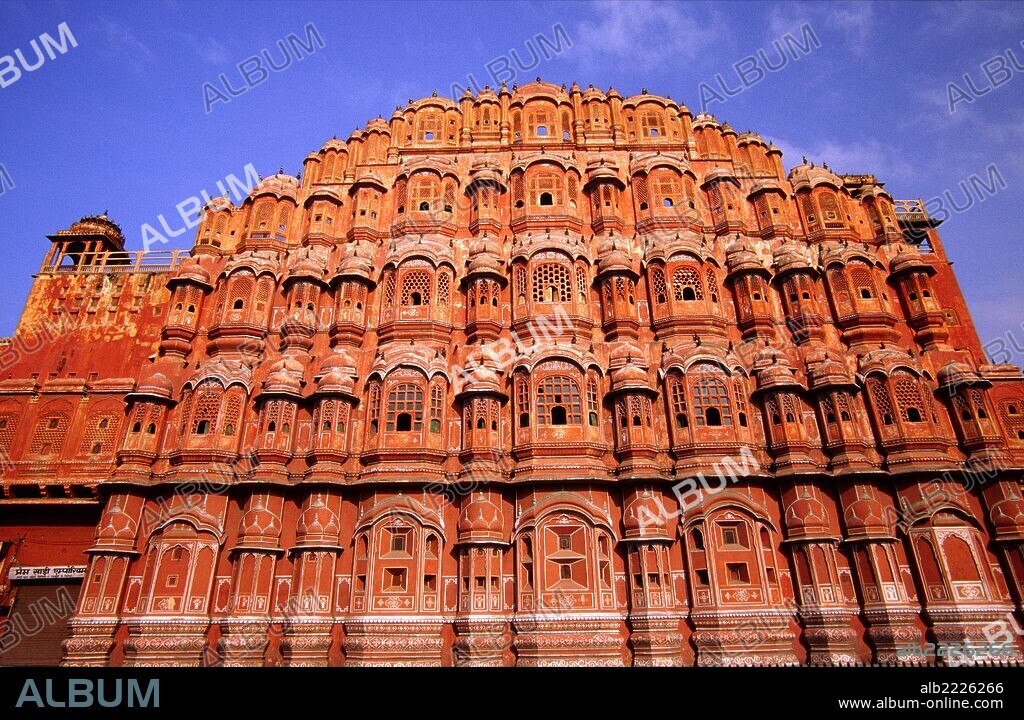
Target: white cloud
column 866, row 156
column 853, row 22
column 122, row 43
column 644, row 33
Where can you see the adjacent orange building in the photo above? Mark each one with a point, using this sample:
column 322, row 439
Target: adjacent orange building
column 547, row 376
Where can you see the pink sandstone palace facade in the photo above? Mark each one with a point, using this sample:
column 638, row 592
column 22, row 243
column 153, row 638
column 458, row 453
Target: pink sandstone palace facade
column 545, row 376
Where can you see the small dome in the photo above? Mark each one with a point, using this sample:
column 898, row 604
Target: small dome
column 1008, row 514
column 741, row 257
column 630, row 377
column 645, row 518
column 954, row 374
column 318, row 523
column 155, row 384
column 378, row 125
column 285, row 377
column 280, row 185
column 807, row 176
column 790, row 257
column 867, row 516
column 481, row 520
column 334, row 144
column 219, row 203
column 613, row 254
column 307, row 267
column 908, row 260
column 485, row 258
column 826, row 370
column 337, row 374
column 116, row 527
column 806, row 516
column 260, row 523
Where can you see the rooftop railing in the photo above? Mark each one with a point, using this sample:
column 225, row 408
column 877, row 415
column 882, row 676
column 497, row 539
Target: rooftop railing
column 115, row 262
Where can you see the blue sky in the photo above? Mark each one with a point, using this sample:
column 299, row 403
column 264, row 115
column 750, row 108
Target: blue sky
column 119, row 123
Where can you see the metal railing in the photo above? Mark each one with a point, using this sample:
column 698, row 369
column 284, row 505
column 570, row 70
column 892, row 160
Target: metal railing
column 120, row 261
column 910, row 211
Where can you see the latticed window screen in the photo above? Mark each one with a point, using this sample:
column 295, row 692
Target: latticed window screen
column 389, row 288
column 709, row 276
column 263, row 291
column 449, row 197
column 374, row 404
column 242, row 287
column 138, row 418
column 880, row 396
column 186, row 411
column 684, row 278
column 424, row 194
column 832, row 212
column 740, row 396
column 49, row 435
column 401, row 194
column 8, row 426
column 709, row 395
column 666, row 188
column 861, row 277
column 522, row 395
column 559, row 391
column 829, row 409
column 416, row 287
column 591, row 395
column 837, row 279
column 99, row 435
column 263, row 216
column 715, row 195
column 405, row 398
column 581, row 283
column 436, row 401
column 978, row 401
column 652, row 123
column 283, row 218
column 521, row 281
column 574, row 187
column 551, row 283
column 443, row 283
column 908, row 396
column 517, row 188
column 789, row 407
column 843, row 401
column 807, row 205
column 232, row 415
column 678, row 396
column 639, row 410
column 546, row 183
column 658, row 285
column 207, row 397
column 640, row 188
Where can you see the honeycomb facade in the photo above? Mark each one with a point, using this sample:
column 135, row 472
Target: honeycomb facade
column 546, row 376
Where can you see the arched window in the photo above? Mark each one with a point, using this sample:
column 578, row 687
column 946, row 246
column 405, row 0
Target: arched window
column 710, row 398
column 686, row 285
column 426, row 193
column 552, row 283
column 652, row 123
column 863, row 283
column 405, row 408
column 416, row 288
column 558, row 401
column 546, row 189
column 678, row 396
column 908, row 397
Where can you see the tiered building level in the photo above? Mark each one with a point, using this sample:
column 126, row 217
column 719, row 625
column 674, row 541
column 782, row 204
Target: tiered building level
column 545, row 376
